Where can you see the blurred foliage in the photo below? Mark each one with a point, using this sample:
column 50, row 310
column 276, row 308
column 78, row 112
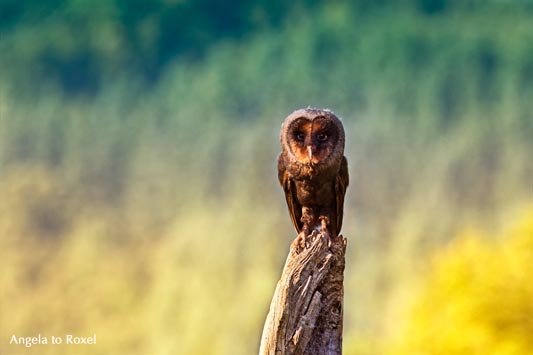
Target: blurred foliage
column 137, row 158
column 478, row 298
column 79, row 45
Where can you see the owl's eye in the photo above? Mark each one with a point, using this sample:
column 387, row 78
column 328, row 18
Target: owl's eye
column 300, row 136
column 322, row 137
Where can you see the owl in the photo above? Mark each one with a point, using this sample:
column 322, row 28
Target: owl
column 313, row 170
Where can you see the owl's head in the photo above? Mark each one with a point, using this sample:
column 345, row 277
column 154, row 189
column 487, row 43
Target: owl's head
column 312, row 136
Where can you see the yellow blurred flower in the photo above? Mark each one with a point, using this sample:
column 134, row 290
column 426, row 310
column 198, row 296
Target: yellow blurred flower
column 478, row 298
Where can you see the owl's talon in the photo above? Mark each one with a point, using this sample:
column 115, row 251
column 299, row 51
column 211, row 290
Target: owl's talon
column 324, row 222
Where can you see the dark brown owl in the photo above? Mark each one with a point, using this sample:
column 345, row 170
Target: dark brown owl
column 313, row 170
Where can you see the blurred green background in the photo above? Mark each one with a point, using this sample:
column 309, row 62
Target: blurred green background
column 138, row 190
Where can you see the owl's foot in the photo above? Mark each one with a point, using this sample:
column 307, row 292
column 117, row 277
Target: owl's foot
column 324, row 222
column 307, row 219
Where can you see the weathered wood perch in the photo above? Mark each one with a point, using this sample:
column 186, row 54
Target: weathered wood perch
column 306, row 312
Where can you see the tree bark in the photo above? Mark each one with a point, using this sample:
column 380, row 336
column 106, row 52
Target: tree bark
column 306, row 312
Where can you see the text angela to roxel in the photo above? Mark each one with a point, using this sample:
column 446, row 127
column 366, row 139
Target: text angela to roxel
column 67, row 339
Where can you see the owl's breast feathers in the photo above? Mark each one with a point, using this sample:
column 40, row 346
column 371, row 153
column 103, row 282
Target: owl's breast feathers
column 322, row 185
column 319, row 173
column 314, row 184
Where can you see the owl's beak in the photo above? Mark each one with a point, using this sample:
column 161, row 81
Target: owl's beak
column 310, row 152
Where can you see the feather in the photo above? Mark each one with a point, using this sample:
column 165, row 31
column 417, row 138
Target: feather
column 341, row 183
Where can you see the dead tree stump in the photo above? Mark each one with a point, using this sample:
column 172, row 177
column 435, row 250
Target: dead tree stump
column 306, row 312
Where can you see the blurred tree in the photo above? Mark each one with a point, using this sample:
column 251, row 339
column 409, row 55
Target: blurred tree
column 77, row 44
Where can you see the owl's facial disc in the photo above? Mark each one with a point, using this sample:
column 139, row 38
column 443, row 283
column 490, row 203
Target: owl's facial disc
column 312, row 141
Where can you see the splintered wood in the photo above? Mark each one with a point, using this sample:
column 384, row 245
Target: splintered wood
column 306, row 312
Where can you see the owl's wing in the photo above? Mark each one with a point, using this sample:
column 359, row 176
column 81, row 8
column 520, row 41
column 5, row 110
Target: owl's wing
column 295, row 210
column 341, row 183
